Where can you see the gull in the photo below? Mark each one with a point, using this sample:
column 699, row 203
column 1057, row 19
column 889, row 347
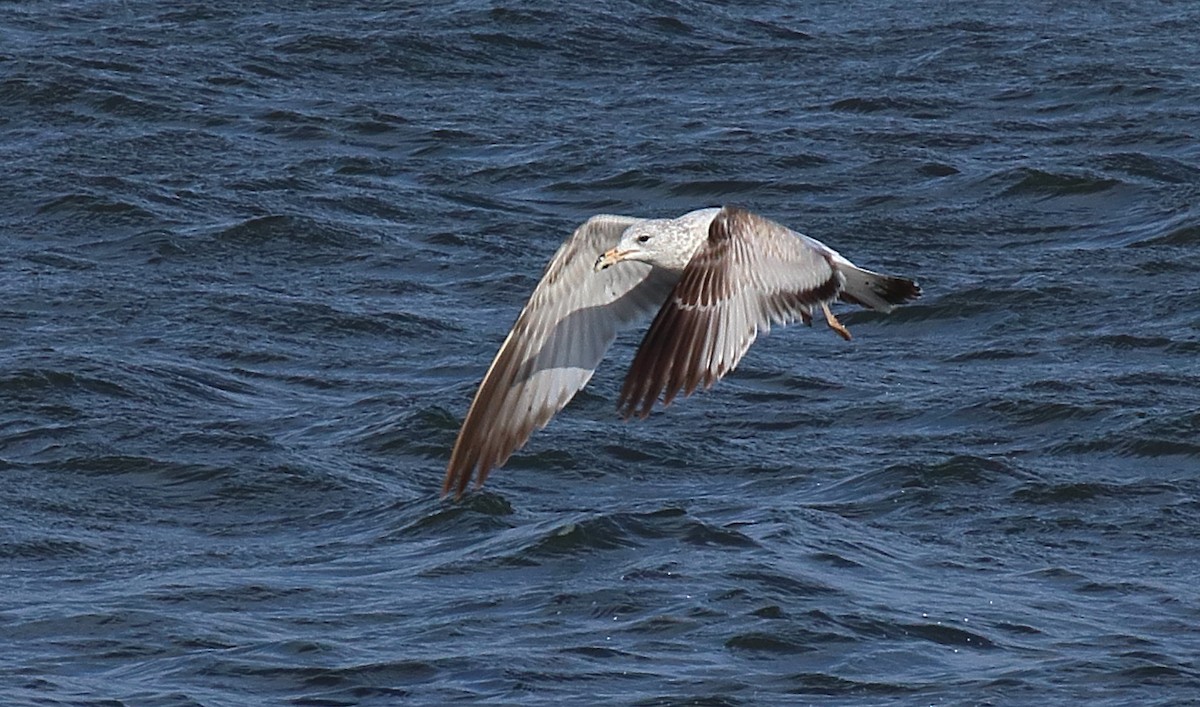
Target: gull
column 716, row 278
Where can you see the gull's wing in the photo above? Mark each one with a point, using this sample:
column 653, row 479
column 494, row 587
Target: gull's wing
column 558, row 340
column 750, row 273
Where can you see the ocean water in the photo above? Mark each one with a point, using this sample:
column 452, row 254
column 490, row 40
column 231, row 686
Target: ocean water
column 255, row 258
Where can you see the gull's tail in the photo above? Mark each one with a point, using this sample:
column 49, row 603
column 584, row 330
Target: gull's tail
column 875, row 290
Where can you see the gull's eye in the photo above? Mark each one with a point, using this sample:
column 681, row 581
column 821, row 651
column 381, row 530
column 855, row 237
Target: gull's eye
column 643, row 239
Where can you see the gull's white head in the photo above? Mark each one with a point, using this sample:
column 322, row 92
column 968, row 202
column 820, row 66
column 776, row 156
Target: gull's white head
column 665, row 243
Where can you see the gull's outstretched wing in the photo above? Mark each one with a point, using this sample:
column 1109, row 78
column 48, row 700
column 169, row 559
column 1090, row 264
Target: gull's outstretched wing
column 749, row 274
column 558, row 340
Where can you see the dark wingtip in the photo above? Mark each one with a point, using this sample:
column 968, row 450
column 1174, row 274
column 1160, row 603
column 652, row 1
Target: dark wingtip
column 457, row 478
column 635, row 408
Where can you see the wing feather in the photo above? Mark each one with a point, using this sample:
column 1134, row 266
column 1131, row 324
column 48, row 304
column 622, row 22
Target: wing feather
column 751, row 272
column 554, row 347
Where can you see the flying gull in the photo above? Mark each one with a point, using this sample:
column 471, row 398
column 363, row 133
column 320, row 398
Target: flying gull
column 715, row 277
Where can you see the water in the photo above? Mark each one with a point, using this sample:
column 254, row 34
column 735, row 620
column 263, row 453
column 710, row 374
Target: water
column 256, row 260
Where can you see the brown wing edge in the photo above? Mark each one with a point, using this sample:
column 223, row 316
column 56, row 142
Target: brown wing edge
column 468, row 460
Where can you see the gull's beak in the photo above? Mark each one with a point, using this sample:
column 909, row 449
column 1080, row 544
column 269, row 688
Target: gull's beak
column 611, row 257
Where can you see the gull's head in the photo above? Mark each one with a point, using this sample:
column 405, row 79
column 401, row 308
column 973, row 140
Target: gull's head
column 638, row 243
column 666, row 243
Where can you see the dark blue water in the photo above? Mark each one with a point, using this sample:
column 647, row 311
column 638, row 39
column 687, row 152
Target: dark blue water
column 254, row 261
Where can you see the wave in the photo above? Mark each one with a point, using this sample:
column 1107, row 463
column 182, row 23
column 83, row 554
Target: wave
column 1026, row 181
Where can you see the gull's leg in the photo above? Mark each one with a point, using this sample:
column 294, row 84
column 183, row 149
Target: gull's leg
column 834, row 323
